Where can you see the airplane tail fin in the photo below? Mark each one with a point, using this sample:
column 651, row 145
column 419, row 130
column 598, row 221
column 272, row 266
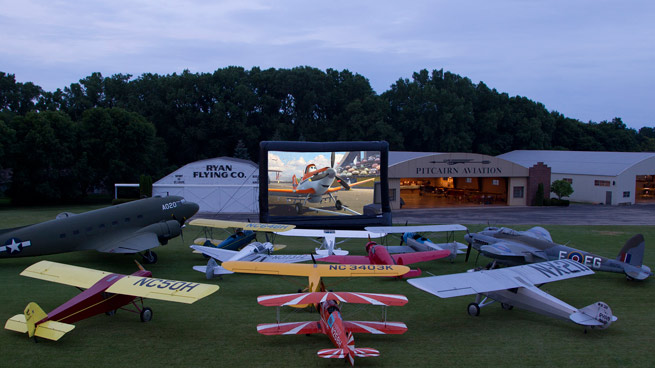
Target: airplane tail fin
column 633, row 251
column 598, row 315
column 26, row 323
column 294, row 181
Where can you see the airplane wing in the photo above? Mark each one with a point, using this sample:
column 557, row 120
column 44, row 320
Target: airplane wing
column 346, row 259
column 242, row 225
column 334, row 189
column 409, row 258
column 415, row 229
column 136, row 243
column 377, row 328
column 508, row 250
column 289, row 328
column 216, row 253
column 332, row 270
column 317, row 233
column 64, row 274
column 529, row 275
column 342, row 297
column 162, row 289
column 299, row 191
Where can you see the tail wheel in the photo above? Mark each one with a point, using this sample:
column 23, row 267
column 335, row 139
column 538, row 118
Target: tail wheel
column 146, row 314
column 473, row 310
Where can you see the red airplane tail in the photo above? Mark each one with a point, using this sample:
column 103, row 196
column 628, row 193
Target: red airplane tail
column 294, row 182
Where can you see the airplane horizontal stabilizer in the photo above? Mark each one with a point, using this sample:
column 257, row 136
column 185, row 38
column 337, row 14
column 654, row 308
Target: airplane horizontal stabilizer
column 340, row 353
column 50, row 330
column 216, row 271
column 597, row 315
column 638, row 273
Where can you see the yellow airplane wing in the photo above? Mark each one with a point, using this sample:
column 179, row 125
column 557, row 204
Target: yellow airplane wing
column 243, row 225
column 322, row 270
column 64, row 274
column 162, row 289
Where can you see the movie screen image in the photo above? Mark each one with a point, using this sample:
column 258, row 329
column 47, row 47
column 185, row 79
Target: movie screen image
column 340, row 185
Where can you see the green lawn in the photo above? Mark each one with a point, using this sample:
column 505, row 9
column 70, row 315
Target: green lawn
column 220, row 330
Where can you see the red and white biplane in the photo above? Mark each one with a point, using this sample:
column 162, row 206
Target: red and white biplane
column 331, row 323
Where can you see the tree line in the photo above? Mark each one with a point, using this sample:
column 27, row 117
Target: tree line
column 61, row 145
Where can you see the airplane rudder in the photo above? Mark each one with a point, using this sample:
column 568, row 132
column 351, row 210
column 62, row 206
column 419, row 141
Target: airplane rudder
column 633, row 251
column 33, row 314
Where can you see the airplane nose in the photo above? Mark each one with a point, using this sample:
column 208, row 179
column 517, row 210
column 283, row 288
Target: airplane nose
column 190, row 209
column 331, row 173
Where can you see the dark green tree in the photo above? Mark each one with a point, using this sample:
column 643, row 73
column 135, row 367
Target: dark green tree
column 561, row 188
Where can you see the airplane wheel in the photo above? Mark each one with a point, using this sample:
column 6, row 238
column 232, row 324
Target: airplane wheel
column 150, row 257
column 111, row 312
column 298, row 208
column 146, row 314
column 473, row 310
column 338, row 205
column 506, row 306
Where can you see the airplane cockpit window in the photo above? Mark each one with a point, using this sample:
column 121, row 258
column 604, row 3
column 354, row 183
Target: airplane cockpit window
column 332, row 308
column 259, row 247
column 507, row 231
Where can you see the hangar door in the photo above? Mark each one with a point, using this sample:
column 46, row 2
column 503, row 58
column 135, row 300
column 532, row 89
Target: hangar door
column 458, row 191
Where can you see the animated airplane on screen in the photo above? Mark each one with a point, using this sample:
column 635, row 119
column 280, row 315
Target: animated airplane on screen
column 105, row 293
column 131, row 227
column 315, row 186
column 378, row 255
column 536, row 245
column 331, row 323
column 519, row 287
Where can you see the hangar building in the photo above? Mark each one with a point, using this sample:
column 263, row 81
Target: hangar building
column 222, row 184
column 429, row 179
column 597, row 177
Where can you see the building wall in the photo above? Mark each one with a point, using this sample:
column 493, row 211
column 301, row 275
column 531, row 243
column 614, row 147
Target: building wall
column 221, row 184
column 585, row 190
column 514, row 183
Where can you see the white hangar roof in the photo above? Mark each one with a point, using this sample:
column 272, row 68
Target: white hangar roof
column 579, row 162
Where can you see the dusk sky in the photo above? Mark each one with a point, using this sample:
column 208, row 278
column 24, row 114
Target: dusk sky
column 589, row 60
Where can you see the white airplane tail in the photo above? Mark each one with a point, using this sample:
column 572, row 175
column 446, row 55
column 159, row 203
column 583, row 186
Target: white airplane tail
column 598, row 315
column 212, row 269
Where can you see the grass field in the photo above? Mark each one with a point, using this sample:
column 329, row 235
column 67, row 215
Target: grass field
column 220, row 329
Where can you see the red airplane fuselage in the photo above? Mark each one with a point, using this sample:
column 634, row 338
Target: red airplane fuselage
column 93, row 300
column 332, row 325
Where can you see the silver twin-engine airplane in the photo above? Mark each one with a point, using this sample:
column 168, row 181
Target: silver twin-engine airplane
column 513, row 247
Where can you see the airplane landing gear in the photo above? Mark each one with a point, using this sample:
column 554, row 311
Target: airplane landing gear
column 338, row 205
column 146, row 314
column 473, row 309
column 149, row 257
column 506, row 306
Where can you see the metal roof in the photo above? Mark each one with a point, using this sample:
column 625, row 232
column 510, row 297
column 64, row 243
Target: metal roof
column 401, row 156
column 579, row 162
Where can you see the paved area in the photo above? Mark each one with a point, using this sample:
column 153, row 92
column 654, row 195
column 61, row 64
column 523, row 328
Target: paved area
column 572, row 215
column 641, row 214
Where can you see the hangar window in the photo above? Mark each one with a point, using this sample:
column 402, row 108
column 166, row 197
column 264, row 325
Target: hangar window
column 626, row 194
column 568, row 180
column 495, row 182
column 518, row 192
column 392, row 195
column 469, row 180
column 602, row 183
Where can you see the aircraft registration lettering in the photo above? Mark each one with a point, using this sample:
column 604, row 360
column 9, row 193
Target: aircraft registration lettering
column 166, row 284
column 168, row 206
column 558, row 268
column 265, row 226
column 587, row 260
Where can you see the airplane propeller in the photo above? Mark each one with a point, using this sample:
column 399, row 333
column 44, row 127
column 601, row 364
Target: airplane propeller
column 468, row 249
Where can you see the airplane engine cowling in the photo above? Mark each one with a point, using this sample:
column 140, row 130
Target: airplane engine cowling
column 165, row 230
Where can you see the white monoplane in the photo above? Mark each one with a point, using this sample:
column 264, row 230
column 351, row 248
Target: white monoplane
column 519, row 287
column 327, row 239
